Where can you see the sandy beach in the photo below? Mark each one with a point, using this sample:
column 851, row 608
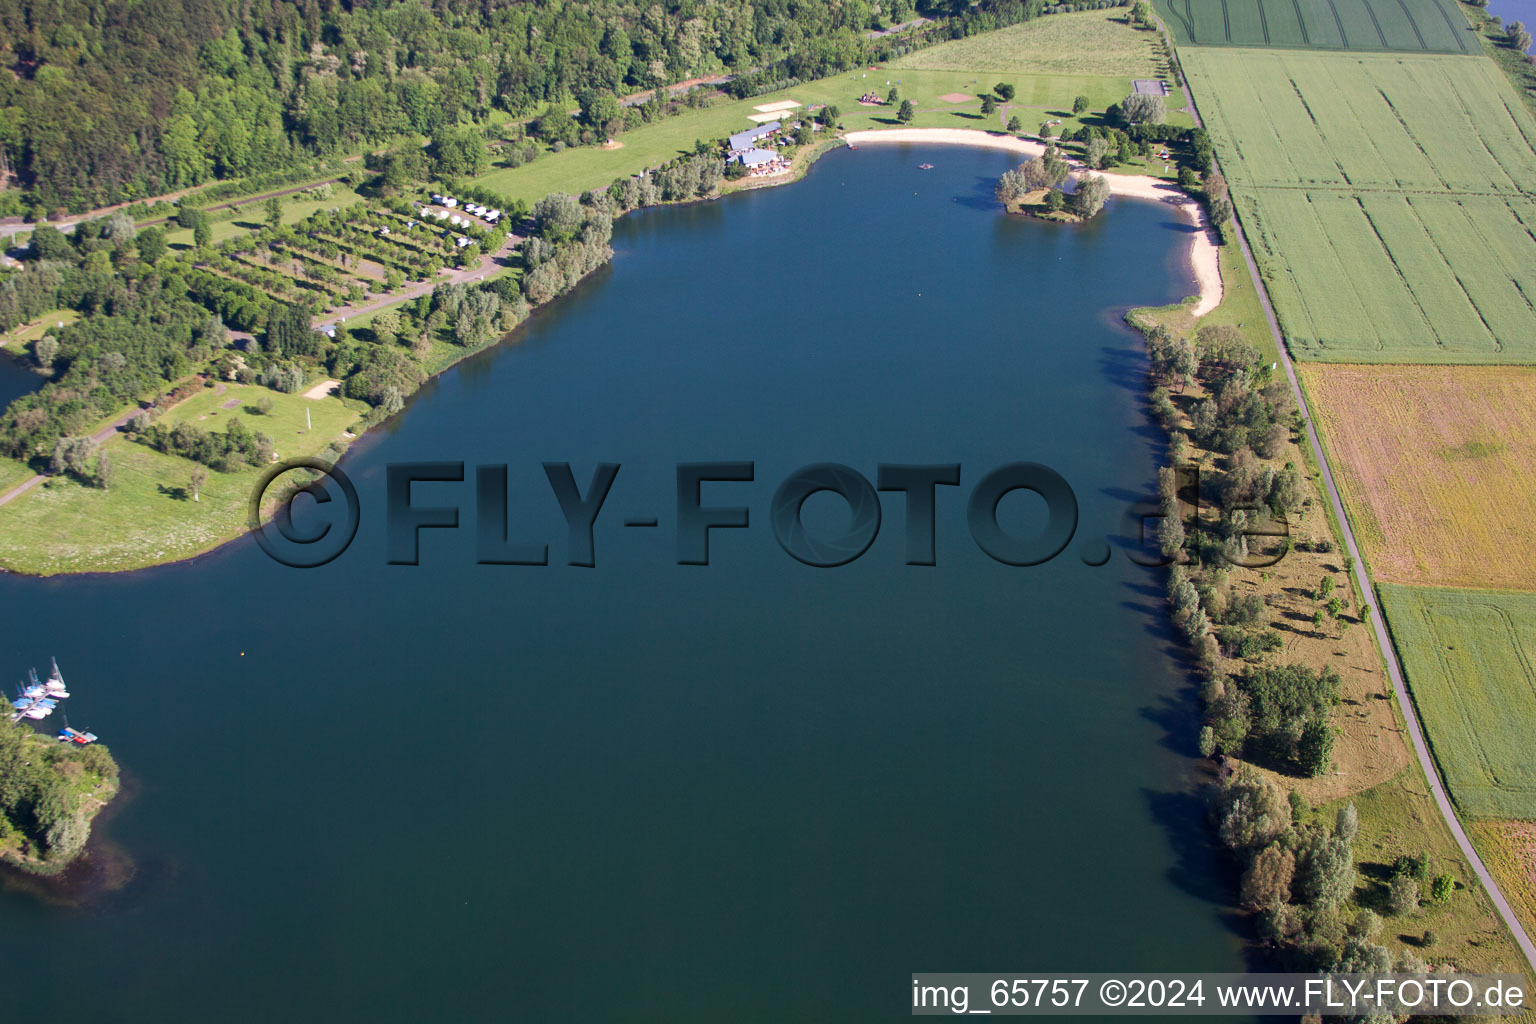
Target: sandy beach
column 1202, row 249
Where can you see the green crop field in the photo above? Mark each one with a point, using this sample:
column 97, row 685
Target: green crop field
column 1412, row 26
column 1470, row 658
column 1390, row 199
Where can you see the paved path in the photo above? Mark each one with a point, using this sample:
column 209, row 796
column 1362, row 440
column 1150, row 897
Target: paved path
column 99, row 438
column 485, row 265
column 1378, row 619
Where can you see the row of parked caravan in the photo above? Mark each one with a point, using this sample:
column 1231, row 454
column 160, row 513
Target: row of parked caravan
column 485, row 213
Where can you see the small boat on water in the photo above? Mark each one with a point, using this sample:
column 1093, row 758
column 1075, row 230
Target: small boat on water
column 68, row 735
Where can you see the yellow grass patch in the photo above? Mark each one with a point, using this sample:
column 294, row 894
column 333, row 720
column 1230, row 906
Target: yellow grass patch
column 1509, row 850
column 1438, row 467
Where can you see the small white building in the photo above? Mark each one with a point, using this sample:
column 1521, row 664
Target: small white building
column 450, row 202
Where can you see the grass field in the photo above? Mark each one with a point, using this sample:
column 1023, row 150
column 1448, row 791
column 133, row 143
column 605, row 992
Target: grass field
column 1437, row 467
column 19, row 338
column 1414, row 26
column 1085, row 43
column 57, row 527
column 253, row 214
column 1399, row 817
column 1039, row 97
column 1389, row 200
column 1470, row 659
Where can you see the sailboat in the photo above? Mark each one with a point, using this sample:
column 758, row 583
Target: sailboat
column 55, row 684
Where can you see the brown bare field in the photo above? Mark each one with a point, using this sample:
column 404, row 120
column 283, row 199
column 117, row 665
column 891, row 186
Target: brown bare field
column 1438, row 467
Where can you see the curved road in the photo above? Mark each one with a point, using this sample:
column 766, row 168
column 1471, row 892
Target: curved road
column 1378, row 619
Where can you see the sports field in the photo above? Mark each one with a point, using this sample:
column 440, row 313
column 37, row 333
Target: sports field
column 1390, row 199
column 1470, row 658
column 1437, row 467
column 1413, row 26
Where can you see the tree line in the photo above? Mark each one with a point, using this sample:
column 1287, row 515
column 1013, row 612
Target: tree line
column 116, row 103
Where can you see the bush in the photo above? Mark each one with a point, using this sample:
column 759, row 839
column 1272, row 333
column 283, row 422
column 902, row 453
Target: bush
column 1441, row 890
column 1403, row 895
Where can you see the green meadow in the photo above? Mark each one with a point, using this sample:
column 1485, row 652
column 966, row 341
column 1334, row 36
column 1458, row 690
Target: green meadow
column 1388, row 199
column 57, row 527
column 1470, row 659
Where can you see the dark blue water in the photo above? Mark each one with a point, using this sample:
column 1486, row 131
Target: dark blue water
column 15, row 379
column 1515, row 10
column 756, row 790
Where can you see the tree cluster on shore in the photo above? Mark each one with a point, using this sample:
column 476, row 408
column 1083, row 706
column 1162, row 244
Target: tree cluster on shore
column 48, row 793
column 1264, row 719
column 1300, row 878
column 1048, row 172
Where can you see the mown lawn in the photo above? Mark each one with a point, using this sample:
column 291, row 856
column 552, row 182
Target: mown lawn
column 12, row 473
column 58, row 527
column 1470, row 660
column 16, row 340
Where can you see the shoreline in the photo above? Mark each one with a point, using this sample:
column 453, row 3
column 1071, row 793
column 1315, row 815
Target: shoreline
column 1204, row 259
column 1202, row 255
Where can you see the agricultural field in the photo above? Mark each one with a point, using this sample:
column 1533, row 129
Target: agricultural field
column 1508, row 848
column 1084, row 43
column 1437, row 467
column 1390, row 200
column 1038, row 97
column 1411, row 26
column 1470, row 660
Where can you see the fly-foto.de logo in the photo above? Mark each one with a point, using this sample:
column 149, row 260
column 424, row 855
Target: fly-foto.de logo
column 306, row 512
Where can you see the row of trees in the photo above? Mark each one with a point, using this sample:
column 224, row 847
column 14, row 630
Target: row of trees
column 229, row 452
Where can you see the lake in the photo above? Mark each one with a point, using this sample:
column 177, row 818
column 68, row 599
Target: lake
column 753, row 790
column 15, row 379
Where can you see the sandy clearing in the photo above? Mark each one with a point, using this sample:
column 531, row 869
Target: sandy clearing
column 322, row 390
column 949, row 97
column 1203, row 257
column 768, row 108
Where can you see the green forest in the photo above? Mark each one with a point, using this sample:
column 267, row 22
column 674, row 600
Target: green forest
column 113, row 102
